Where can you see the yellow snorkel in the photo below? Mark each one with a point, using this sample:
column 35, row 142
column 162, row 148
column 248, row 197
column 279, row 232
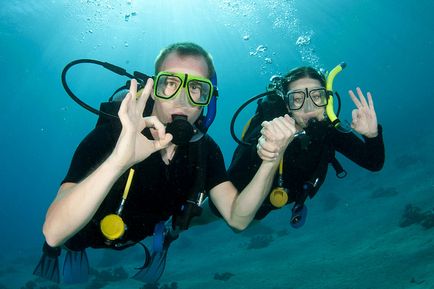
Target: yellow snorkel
column 329, row 86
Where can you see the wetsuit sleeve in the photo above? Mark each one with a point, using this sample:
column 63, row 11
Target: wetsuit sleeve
column 91, row 152
column 367, row 153
column 245, row 163
column 216, row 170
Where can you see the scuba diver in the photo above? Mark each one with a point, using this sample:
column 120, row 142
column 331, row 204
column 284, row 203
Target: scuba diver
column 147, row 172
column 307, row 96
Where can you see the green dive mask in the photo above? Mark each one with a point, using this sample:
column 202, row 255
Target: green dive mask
column 168, row 85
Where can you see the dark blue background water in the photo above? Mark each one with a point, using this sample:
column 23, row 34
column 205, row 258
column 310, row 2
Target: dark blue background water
column 388, row 46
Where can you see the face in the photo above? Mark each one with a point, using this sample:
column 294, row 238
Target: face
column 180, row 105
column 309, row 110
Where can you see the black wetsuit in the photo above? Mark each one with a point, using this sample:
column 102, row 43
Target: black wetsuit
column 307, row 162
column 157, row 190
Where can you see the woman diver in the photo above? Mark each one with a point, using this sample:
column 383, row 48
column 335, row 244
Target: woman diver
column 306, row 95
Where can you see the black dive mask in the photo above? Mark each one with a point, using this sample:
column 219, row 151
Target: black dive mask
column 181, row 129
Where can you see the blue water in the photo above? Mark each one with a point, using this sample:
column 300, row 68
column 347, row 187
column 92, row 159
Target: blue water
column 388, row 46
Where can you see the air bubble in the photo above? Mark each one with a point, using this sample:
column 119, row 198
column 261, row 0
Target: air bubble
column 303, row 40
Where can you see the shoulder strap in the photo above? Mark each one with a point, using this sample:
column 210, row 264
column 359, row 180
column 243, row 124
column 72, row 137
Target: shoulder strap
column 311, row 186
column 198, row 163
column 340, row 171
column 269, row 107
column 199, row 152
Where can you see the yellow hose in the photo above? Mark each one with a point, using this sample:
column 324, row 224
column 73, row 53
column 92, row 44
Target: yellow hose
column 128, row 185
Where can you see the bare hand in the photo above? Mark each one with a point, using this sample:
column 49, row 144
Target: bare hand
column 276, row 135
column 364, row 117
column 132, row 146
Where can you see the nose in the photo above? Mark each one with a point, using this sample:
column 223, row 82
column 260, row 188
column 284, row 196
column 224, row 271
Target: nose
column 309, row 106
column 182, row 98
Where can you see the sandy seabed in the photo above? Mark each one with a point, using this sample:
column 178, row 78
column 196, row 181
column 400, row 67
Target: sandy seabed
column 351, row 240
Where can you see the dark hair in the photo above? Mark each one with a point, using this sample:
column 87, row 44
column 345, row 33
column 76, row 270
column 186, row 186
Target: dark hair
column 304, row 72
column 185, row 49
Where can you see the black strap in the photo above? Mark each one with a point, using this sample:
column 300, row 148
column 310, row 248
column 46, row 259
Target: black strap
column 112, row 108
column 198, row 163
column 340, row 172
column 198, row 152
column 311, row 187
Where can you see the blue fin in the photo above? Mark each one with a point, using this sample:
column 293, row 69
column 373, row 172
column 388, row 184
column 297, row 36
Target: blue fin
column 154, row 266
column 152, row 273
column 48, row 266
column 75, row 267
column 299, row 215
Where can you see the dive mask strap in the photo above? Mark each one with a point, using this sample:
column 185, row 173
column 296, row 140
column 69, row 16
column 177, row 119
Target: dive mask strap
column 212, row 106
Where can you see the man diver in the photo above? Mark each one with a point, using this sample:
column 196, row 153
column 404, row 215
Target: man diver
column 304, row 95
column 127, row 178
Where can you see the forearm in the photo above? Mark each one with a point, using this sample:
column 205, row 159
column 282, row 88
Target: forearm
column 75, row 205
column 247, row 203
column 271, row 145
column 375, row 155
column 367, row 153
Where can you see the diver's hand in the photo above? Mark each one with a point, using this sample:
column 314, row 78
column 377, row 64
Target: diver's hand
column 276, row 135
column 132, row 146
column 364, row 117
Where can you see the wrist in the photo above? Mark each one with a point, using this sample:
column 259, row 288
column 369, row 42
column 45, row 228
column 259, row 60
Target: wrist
column 271, row 164
column 372, row 134
column 115, row 164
